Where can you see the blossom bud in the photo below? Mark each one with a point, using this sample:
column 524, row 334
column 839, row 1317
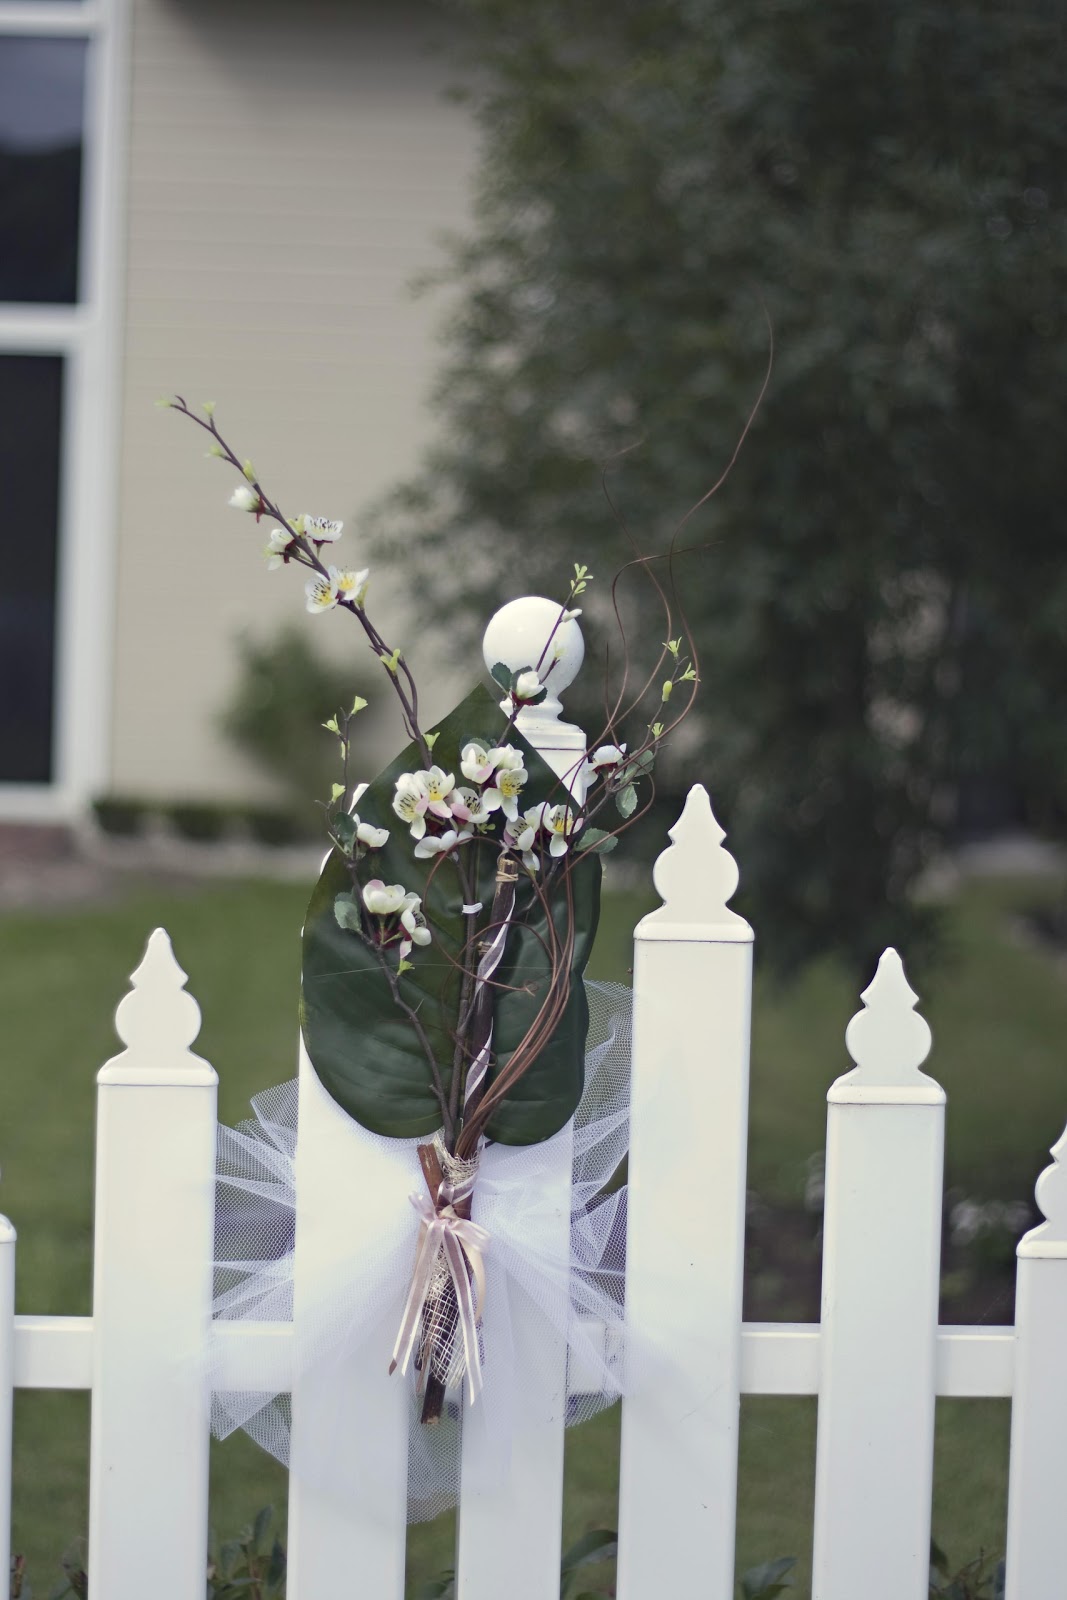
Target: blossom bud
column 527, row 685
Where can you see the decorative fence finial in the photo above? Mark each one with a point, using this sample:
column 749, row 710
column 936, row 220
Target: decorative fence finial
column 888, row 1040
column 530, row 631
column 1050, row 1192
column 695, row 876
column 535, row 633
column 157, row 1022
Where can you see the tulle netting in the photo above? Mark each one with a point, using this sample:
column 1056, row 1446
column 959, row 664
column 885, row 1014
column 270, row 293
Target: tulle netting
column 540, row 1296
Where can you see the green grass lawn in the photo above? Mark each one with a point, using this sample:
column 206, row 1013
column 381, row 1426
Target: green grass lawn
column 999, row 1013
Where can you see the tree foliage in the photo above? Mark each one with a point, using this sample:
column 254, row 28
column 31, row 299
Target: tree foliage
column 879, row 595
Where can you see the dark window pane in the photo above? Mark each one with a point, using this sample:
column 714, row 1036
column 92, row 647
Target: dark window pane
column 42, row 92
column 31, row 394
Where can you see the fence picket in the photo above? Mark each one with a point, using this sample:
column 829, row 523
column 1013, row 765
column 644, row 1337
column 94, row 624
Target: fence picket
column 7, row 1379
column 509, row 1531
column 348, row 1483
column 881, row 1260
column 1035, row 1559
column 155, row 1189
column 510, row 1524
column 685, row 1238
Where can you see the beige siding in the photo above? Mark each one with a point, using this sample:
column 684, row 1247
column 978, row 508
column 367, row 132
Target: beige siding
column 292, row 167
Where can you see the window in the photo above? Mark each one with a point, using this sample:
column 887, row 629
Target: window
column 60, row 122
column 31, row 390
column 42, row 107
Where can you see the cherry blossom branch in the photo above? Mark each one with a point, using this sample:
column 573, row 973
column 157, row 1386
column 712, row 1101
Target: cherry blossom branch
column 301, row 550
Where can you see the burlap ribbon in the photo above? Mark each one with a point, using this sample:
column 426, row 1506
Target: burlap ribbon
column 454, row 1242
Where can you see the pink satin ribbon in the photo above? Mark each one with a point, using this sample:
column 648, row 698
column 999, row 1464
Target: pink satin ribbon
column 462, row 1242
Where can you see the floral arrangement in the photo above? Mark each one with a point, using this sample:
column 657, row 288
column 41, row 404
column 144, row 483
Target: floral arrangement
column 448, row 934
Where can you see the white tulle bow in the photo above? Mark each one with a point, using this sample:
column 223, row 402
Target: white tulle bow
column 549, row 1287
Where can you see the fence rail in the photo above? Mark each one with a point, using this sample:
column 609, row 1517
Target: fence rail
column 776, row 1357
column 876, row 1360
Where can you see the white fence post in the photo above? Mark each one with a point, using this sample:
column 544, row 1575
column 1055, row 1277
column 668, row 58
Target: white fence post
column 510, row 1528
column 155, row 1191
column 348, row 1423
column 1037, row 1495
column 7, row 1376
column 509, row 1532
column 685, row 1237
column 881, row 1264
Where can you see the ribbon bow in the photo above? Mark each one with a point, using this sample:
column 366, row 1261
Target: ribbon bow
column 462, row 1243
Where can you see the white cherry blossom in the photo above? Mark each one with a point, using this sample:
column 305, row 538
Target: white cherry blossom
column 438, row 785
column 561, row 822
column 435, row 844
column 521, row 834
column 322, row 592
column 320, row 530
column 245, row 498
column 374, row 838
column 476, row 763
column 504, row 795
column 523, row 830
column 526, row 685
column 413, row 921
column 410, row 801
column 352, row 585
column 605, row 757
column 276, row 548
column 384, row 899
column 608, row 755
column 469, row 805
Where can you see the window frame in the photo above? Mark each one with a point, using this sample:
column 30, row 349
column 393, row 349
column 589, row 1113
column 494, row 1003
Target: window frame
column 87, row 335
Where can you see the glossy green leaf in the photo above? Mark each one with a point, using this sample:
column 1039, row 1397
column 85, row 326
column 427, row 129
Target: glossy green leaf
column 362, row 1047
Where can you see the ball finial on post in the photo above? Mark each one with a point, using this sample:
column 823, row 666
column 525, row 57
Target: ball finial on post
column 537, row 633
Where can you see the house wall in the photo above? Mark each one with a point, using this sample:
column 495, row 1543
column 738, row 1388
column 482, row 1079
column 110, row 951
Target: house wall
column 293, row 164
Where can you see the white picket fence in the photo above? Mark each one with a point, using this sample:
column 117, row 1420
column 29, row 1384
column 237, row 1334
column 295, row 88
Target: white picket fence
column 877, row 1359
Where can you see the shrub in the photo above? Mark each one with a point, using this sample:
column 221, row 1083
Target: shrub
column 199, row 819
column 121, row 815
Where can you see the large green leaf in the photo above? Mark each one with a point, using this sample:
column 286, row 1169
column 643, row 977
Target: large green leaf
column 362, row 1047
